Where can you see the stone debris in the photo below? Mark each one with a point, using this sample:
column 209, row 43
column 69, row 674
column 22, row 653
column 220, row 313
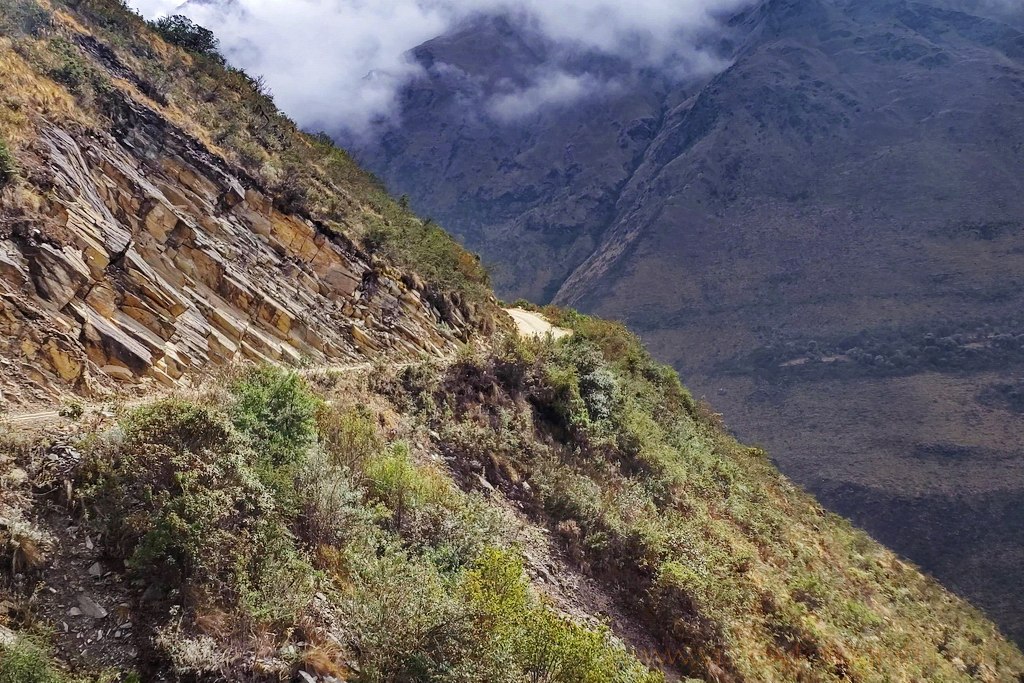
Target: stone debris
column 91, row 608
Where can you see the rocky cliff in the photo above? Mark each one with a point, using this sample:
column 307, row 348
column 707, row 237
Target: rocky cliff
column 144, row 256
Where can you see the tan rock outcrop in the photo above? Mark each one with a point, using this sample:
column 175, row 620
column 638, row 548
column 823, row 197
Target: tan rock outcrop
column 154, row 261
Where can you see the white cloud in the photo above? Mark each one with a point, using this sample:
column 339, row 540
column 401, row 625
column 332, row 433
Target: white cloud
column 340, row 64
column 549, row 89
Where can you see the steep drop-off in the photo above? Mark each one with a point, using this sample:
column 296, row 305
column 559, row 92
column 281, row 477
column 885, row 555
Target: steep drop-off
column 825, row 239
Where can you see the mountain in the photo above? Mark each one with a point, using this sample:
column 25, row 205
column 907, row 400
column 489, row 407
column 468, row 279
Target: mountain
column 825, row 238
column 262, row 423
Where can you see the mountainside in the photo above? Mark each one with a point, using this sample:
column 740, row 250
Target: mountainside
column 825, row 238
column 164, row 226
column 298, row 440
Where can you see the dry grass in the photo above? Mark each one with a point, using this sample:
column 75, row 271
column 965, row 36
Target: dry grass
column 25, row 94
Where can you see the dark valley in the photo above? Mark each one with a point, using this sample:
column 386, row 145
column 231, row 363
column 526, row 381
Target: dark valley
column 826, row 239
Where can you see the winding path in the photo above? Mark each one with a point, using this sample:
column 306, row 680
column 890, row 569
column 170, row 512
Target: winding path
column 528, row 323
column 532, row 324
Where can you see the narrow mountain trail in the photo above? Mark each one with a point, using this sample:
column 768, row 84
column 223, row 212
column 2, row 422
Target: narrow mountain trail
column 34, row 418
column 532, row 324
column 529, row 324
column 38, row 419
column 30, row 419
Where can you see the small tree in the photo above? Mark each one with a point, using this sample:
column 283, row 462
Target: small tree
column 277, row 411
column 182, row 31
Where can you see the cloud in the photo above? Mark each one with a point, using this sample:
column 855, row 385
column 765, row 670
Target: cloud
column 341, row 64
column 550, row 89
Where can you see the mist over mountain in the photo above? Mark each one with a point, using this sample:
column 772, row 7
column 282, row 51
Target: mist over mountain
column 840, row 209
column 351, row 86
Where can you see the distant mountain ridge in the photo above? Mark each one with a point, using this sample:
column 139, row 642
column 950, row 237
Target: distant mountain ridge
column 827, row 238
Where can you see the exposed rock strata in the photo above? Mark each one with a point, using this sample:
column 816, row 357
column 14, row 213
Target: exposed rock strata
column 152, row 259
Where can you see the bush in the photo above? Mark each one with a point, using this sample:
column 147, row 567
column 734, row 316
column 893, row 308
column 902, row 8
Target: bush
column 542, row 645
column 404, row 487
column 481, row 625
column 348, row 436
column 24, row 17
column 183, row 32
column 8, row 166
column 26, row 661
column 277, row 411
column 411, row 625
column 331, row 506
column 597, row 384
column 23, row 546
column 182, row 505
column 71, row 70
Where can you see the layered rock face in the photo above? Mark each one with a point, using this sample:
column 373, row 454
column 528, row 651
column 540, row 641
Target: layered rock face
column 149, row 259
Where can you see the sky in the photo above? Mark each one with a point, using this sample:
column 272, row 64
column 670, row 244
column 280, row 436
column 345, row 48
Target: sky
column 339, row 65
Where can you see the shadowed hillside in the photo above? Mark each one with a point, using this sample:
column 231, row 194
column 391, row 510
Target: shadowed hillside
column 825, row 239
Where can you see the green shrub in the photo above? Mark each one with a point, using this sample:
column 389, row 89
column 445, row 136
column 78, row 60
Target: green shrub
column 331, row 509
column 71, row 70
column 411, row 624
column 24, row 17
column 456, row 536
column 427, row 249
column 181, row 426
column 598, row 386
column 348, row 436
column 404, row 487
column 26, row 661
column 540, row 644
column 560, row 391
column 182, row 31
column 276, row 410
column 8, row 166
column 180, row 502
column 481, row 625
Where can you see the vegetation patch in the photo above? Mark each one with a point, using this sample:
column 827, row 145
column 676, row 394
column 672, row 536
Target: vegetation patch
column 1004, row 395
column 181, row 31
column 24, row 18
column 25, row 660
column 269, row 522
column 277, row 412
column 642, row 485
column 8, row 166
column 182, row 506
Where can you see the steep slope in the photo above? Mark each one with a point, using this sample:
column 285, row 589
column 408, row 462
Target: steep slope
column 539, row 190
column 131, row 249
column 504, row 509
column 825, row 238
